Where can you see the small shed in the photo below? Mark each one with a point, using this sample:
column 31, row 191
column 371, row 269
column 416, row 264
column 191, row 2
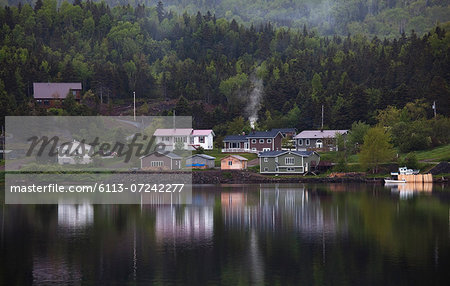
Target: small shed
column 200, row 161
column 233, row 162
column 159, row 161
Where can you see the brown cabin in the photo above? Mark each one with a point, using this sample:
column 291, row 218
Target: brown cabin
column 51, row 94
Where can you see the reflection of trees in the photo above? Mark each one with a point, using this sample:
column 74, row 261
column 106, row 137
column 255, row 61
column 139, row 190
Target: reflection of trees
column 280, row 208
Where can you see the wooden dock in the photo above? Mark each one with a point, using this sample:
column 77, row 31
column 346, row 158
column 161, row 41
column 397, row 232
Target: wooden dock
column 416, row 179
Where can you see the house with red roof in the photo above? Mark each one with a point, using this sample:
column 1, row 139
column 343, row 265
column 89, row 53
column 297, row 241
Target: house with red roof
column 51, row 94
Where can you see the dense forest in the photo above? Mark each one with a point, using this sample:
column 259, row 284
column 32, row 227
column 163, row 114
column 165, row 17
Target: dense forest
column 384, row 18
column 218, row 70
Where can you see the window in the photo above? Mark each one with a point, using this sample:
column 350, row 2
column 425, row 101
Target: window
column 266, row 160
column 253, row 149
column 300, row 142
column 261, row 140
column 289, row 160
column 156, row 163
column 266, row 149
column 307, row 142
column 290, row 169
column 269, row 140
column 230, row 163
column 254, row 141
column 266, row 169
column 201, row 139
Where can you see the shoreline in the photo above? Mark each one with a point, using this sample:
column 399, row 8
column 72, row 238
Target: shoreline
column 248, row 177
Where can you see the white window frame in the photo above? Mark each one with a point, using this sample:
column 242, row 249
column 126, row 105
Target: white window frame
column 230, row 163
column 300, row 142
column 261, row 141
column 289, row 160
column 253, row 149
column 266, row 149
column 269, row 140
column 156, row 163
column 266, row 160
column 290, row 169
column 307, row 142
column 266, row 169
column 254, row 141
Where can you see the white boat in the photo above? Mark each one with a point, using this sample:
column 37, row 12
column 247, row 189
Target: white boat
column 401, row 171
column 392, row 181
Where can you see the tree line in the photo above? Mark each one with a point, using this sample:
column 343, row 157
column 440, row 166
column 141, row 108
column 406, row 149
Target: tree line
column 211, row 65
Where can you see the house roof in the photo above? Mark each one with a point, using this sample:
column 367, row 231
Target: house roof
column 235, row 156
column 263, row 134
column 204, row 156
column 285, row 130
column 169, row 154
column 173, row 132
column 282, row 152
column 74, row 146
column 53, row 90
column 201, row 132
column 312, row 134
column 235, row 138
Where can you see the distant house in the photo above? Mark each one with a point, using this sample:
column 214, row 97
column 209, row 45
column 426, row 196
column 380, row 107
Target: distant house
column 236, row 144
column 200, row 161
column 202, row 138
column 255, row 142
column 233, row 162
column 74, row 153
column 190, row 139
column 170, row 137
column 318, row 140
column 158, row 161
column 50, row 94
column 288, row 162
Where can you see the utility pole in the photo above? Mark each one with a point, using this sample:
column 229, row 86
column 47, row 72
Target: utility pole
column 134, row 105
column 434, row 108
column 174, row 119
column 322, row 117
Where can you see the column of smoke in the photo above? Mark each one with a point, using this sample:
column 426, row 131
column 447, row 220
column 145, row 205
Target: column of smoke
column 254, row 100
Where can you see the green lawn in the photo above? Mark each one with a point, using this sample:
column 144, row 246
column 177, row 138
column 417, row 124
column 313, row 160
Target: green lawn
column 332, row 156
column 219, row 155
column 438, row 154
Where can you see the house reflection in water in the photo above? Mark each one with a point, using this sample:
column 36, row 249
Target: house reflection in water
column 75, row 217
column 408, row 190
column 175, row 225
column 281, row 207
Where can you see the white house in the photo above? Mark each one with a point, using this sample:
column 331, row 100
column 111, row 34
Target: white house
column 203, row 138
column 74, row 153
column 191, row 139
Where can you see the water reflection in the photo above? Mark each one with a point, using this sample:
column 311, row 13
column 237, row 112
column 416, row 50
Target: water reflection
column 281, row 207
column 75, row 217
column 247, row 234
column 184, row 226
column 408, row 190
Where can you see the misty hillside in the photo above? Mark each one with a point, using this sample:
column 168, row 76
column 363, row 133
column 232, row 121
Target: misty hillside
column 384, row 18
column 215, row 69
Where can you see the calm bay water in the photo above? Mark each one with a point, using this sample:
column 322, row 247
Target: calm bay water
column 339, row 234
